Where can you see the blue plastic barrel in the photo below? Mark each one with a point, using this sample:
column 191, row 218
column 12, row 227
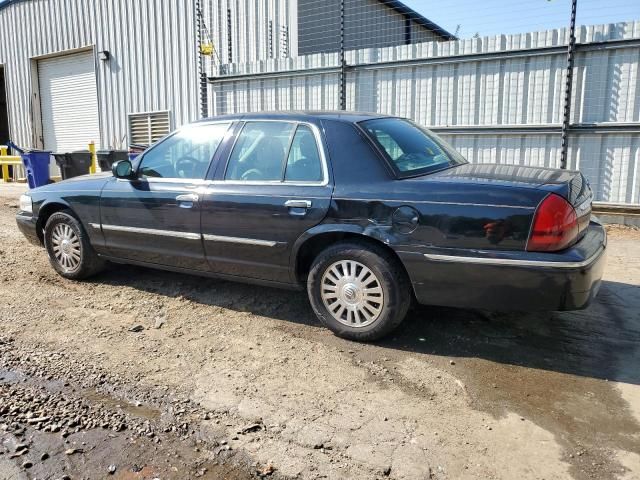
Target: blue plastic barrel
column 36, row 163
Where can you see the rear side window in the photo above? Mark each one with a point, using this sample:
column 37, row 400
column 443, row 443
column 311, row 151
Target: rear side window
column 410, row 149
column 303, row 162
column 260, row 151
column 275, row 152
column 185, row 154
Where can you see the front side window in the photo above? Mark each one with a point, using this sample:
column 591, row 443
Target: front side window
column 275, row 152
column 185, row 154
column 410, row 149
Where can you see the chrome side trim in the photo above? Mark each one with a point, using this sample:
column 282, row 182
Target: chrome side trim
column 512, row 262
column 95, row 225
column 244, row 194
column 152, row 231
column 190, row 183
column 269, row 183
column 70, row 191
column 243, row 241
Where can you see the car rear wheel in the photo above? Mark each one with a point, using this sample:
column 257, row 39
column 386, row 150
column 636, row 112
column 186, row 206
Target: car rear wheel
column 68, row 247
column 358, row 290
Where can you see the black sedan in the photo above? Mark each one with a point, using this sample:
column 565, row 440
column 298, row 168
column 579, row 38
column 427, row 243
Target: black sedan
column 367, row 212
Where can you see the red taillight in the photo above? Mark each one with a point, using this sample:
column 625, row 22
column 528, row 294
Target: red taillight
column 555, row 225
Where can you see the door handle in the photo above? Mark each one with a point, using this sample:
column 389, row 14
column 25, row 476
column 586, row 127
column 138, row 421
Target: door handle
column 187, row 197
column 186, row 200
column 298, row 204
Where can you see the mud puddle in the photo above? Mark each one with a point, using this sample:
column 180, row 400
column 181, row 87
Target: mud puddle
column 137, row 410
column 53, row 429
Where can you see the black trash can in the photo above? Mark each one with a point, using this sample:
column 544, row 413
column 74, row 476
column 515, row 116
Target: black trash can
column 73, row 164
column 106, row 158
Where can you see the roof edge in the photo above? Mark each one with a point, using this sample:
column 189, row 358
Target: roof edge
column 396, row 5
column 6, row 3
column 400, row 7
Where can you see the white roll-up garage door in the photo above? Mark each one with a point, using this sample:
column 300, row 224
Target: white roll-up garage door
column 68, row 102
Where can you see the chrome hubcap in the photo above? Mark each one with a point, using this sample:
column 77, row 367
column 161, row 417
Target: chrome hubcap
column 66, row 247
column 352, row 293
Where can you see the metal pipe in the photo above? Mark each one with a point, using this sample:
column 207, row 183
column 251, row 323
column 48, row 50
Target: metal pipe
column 443, row 60
column 202, row 74
column 343, row 65
column 566, row 119
column 528, row 129
column 244, row 77
column 499, row 55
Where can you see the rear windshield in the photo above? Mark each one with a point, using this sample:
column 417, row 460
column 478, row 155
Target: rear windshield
column 411, row 149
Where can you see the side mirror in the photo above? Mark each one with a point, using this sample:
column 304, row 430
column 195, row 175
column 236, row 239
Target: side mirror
column 122, row 169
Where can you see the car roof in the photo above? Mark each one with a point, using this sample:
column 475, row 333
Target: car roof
column 303, row 115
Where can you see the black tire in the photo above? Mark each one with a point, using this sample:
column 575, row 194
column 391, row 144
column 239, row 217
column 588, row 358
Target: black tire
column 390, row 275
column 88, row 262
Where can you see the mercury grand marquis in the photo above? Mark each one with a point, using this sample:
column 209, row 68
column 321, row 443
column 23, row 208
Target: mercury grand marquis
column 368, row 213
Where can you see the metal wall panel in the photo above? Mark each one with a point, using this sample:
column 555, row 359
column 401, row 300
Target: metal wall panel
column 153, row 64
column 249, row 38
column 31, row 29
column 498, row 84
column 611, row 162
column 368, row 23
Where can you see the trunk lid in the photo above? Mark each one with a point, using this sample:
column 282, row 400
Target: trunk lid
column 569, row 184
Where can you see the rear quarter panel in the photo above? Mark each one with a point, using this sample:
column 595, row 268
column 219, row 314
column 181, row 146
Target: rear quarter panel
column 448, row 215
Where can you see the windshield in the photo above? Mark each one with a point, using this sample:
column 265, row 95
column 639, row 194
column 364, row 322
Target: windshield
column 411, row 149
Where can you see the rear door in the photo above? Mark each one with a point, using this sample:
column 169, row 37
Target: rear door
column 274, row 186
column 155, row 218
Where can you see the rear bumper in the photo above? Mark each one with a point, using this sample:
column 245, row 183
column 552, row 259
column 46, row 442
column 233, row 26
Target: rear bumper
column 524, row 281
column 27, row 224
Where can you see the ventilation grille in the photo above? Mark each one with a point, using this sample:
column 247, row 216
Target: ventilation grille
column 147, row 128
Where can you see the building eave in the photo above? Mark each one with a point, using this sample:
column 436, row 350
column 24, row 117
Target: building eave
column 418, row 18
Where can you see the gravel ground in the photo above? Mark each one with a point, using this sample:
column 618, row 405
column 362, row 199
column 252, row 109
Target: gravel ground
column 146, row 374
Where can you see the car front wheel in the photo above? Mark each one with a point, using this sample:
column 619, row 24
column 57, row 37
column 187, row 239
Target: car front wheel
column 69, row 250
column 358, row 290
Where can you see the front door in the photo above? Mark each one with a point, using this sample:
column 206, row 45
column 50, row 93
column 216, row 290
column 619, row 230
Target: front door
column 273, row 188
column 155, row 218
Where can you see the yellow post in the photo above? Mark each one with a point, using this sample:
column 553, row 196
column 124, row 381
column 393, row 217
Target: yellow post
column 94, row 158
column 5, row 168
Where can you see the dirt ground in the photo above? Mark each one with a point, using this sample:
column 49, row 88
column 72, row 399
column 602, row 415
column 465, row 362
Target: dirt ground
column 224, row 380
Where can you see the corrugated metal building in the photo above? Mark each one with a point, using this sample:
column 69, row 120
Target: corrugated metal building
column 249, row 31
column 496, row 99
column 75, row 70
column 119, row 71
